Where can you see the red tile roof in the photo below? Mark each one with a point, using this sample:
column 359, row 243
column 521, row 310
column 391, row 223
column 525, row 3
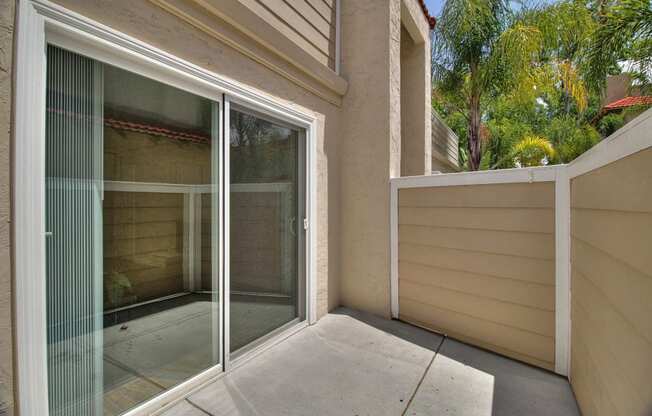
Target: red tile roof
column 628, row 102
column 156, row 131
column 431, row 19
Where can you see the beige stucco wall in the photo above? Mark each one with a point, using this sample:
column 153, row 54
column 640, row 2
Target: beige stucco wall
column 370, row 150
column 7, row 8
column 478, row 263
column 611, row 286
column 371, row 144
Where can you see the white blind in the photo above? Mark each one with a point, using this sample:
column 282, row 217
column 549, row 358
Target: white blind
column 74, row 239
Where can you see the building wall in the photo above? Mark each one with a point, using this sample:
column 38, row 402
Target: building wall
column 478, row 263
column 611, row 286
column 308, row 23
column 264, row 39
column 371, row 142
column 7, row 8
column 158, row 26
column 370, row 149
column 358, row 135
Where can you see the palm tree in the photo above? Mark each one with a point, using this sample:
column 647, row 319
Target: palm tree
column 624, row 34
column 480, row 49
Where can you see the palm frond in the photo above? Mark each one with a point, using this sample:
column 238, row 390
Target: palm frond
column 512, row 56
column 533, row 151
column 626, row 23
column 573, row 84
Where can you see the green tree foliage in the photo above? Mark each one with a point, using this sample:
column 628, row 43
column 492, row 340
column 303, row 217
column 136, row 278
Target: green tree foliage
column 570, row 138
column 610, row 123
column 624, row 33
column 535, row 74
column 478, row 50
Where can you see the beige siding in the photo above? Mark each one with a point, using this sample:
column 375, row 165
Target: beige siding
column 611, row 287
column 478, row 263
column 445, row 145
column 143, row 232
column 308, row 23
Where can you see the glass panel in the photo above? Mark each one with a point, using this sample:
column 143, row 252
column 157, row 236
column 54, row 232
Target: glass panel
column 132, row 256
column 265, row 208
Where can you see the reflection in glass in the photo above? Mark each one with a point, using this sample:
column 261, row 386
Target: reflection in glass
column 264, row 240
column 131, row 249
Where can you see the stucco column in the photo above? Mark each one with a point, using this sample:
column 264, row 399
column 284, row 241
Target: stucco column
column 370, row 149
column 371, row 137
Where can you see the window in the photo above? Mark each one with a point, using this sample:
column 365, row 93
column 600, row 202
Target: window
column 132, row 282
column 134, row 196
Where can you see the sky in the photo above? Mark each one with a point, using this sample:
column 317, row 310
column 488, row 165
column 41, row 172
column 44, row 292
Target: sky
column 434, row 6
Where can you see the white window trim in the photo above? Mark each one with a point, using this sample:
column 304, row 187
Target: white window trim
column 41, row 22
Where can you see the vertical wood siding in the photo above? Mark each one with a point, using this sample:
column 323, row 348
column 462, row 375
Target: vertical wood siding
column 611, row 287
column 308, row 23
column 478, row 263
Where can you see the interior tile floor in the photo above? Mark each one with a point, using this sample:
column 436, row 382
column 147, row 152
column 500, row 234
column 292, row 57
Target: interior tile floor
column 351, row 363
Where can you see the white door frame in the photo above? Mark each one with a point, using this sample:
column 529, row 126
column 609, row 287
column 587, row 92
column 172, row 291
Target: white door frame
column 41, row 22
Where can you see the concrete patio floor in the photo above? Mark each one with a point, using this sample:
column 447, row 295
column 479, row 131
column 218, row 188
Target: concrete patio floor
column 351, row 363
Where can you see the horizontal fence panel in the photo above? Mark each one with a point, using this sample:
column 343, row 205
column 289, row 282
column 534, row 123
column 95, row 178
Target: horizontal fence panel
column 509, row 195
column 534, row 220
column 611, row 278
column 541, row 246
column 497, row 265
column 617, row 351
column 630, row 291
column 509, row 314
column 624, row 235
column 589, row 190
column 587, row 380
column 478, row 263
column 506, row 290
column 525, row 346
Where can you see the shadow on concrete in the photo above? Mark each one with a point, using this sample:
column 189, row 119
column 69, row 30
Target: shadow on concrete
column 410, row 333
column 467, row 380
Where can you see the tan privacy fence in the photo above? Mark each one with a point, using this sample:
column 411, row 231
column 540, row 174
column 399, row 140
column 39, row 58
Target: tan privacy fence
column 478, row 262
column 611, row 277
column 551, row 266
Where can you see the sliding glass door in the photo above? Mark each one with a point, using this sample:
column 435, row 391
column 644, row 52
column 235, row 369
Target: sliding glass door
column 266, row 226
column 133, row 242
column 136, row 248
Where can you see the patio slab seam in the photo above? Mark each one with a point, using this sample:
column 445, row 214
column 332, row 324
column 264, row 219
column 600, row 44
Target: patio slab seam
column 198, row 407
column 425, row 372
